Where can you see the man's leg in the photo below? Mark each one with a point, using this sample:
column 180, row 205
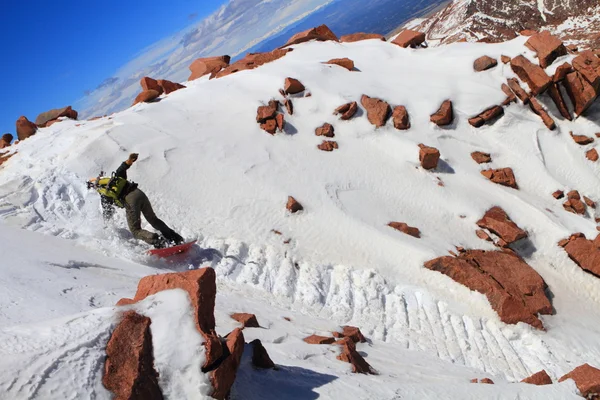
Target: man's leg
column 134, row 202
column 157, row 223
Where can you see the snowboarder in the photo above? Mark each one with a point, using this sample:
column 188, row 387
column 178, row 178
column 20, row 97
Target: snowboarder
column 117, row 190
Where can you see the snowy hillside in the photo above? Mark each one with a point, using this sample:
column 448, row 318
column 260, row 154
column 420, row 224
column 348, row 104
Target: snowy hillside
column 212, row 173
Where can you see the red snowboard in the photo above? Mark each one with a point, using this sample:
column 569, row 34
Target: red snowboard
column 171, row 251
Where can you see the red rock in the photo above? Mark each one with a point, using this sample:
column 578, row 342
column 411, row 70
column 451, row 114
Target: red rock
column 484, row 63
column 486, row 381
column 269, row 126
column 4, row 157
column 316, row 339
column 533, row 74
column 402, row 227
column 481, row 158
column 25, row 128
column 559, row 101
column 168, row 86
column 537, row 108
column 129, row 366
column 264, row 113
column 574, row 194
column 582, row 139
column 47, row 116
column 592, row 155
column 497, row 221
column 559, row 194
column 510, row 96
column 321, row 33
column 251, row 61
column 6, row 140
column 581, row 92
column 342, row 62
column 527, row 32
column 289, row 106
column 481, row 234
column 280, row 121
column 293, row 206
column 350, row 355
column 150, row 84
column 505, row 59
column 540, row 378
column 328, row 145
column 561, row 72
column 573, row 48
column 515, row 86
column 400, row 118
column 504, row 177
column 378, row 111
column 325, row 130
column 588, row 65
column 547, row 46
column 587, row 379
column 410, row 38
column 260, row 357
column 146, row 97
column 589, row 202
column 356, row 37
column 247, row 320
column 347, row 110
column 223, row 377
column 351, row 332
column 487, row 116
column 293, row 86
column 429, row 157
column 445, row 115
column 575, row 206
column 125, row 302
column 207, row 66
column 514, row 289
column 474, row 380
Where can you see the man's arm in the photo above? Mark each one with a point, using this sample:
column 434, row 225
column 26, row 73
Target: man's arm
column 122, row 170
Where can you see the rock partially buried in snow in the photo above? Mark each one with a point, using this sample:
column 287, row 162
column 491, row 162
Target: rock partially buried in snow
column 497, row 221
column 504, row 177
column 150, row 84
column 580, row 91
column 260, row 357
column 269, row 126
column 342, row 62
column 505, row 59
column 404, row 228
column 347, row 110
column 208, row 66
column 146, row 96
column 25, row 128
column 169, row 87
column 481, row 158
column 316, row 339
column 537, row 108
column 532, row 74
column 289, row 106
column 428, row 157
column 486, row 116
column 484, row 63
column 350, row 355
column 587, row 379
column 293, row 206
column 378, row 111
column 559, row 101
column 351, row 332
column 588, row 65
column 547, row 46
column 223, row 377
column 321, row 33
column 293, row 86
column 582, row 140
column 356, row 37
column 129, row 367
column 515, row 86
column 592, row 155
column 559, row 194
column 328, row 145
column 540, row 378
column 326, row 130
column 45, row 117
column 445, row 115
column 510, row 96
column 264, row 113
column 251, row 61
column 514, row 289
column 585, row 253
column 409, row 38
column 400, row 118
column 247, row 320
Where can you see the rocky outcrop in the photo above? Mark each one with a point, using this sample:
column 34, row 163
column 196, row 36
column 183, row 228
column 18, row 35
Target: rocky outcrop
column 251, row 61
column 481, row 158
column 484, row 63
column 378, row 111
column 504, row 177
column 247, row 320
column 321, row 33
column 532, row 74
column 316, row 339
column 518, row 90
column 559, row 101
column 208, row 66
column 356, row 37
column 260, row 357
column 409, row 38
column 498, row 222
column 6, row 140
column 146, row 96
column 428, row 157
column 582, row 140
column 326, row 130
column 587, row 379
column 342, row 62
column 350, row 355
column 168, row 86
column 25, row 128
column 547, row 46
column 580, row 91
column 293, row 206
column 540, row 378
column 223, row 377
column 45, row 117
column 404, row 228
column 445, row 115
column 487, row 116
column 592, row 155
column 328, row 145
column 347, row 111
column 129, row 367
column 537, row 108
column 574, row 203
column 293, row 86
column 514, row 289
column 585, row 253
column 588, row 65
column 351, row 332
column 561, row 72
column 150, row 84
column 400, row 118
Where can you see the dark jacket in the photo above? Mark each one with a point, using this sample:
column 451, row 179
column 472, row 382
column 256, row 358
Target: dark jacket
column 108, row 209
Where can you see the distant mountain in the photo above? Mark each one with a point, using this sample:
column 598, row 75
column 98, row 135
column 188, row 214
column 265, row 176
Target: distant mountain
column 575, row 21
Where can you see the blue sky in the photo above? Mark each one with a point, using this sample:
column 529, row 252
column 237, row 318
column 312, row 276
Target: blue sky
column 53, row 51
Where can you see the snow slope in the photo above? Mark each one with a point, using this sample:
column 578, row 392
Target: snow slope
column 213, row 174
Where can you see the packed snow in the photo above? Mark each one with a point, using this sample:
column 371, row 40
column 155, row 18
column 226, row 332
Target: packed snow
column 212, row 174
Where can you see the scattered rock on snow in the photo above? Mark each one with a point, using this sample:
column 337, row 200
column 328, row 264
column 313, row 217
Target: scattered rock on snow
column 533, row 74
column 350, row 355
column 247, row 320
column 409, row 38
column 400, row 118
column 6, row 140
column 293, row 206
column 409, row 230
column 589, row 202
column 269, row 126
column 585, row 253
column 592, row 155
column 168, row 86
column 486, row 116
column 146, row 96
column 289, row 106
column 264, row 113
column 293, row 86
column 481, row 234
column 223, row 377
column 582, row 139
column 347, row 110
column 251, row 61
column 445, row 115
column 280, row 122
column 208, row 66
column 316, row 339
column 429, row 157
column 580, row 91
column 497, row 221
column 559, row 194
column 540, row 378
column 351, row 332
column 328, row 145
column 45, row 117
column 321, row 33
column 326, row 130
column 537, row 108
column 342, row 62
column 559, row 101
column 481, row 158
column 587, row 379
column 505, row 59
column 588, row 65
column 356, row 37
column 378, row 111
column 25, row 128
column 547, row 46
column 510, row 96
column 515, row 86
column 150, row 84
column 504, row 177
column 484, row 63
column 260, row 357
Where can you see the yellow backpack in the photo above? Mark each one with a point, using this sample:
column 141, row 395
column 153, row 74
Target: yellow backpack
column 111, row 188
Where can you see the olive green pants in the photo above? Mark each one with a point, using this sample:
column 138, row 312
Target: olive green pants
column 137, row 203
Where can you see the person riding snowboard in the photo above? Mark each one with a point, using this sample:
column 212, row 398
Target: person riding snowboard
column 117, row 190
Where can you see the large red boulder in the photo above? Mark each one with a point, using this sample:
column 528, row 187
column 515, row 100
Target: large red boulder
column 150, row 84
column 497, row 221
column 540, row 378
column 537, row 79
column 356, row 37
column 559, row 101
column 428, row 156
column 45, row 117
column 146, row 96
column 484, row 63
column 504, row 177
column 585, row 253
column 588, row 65
column 223, row 377
column 445, row 115
column 129, row 366
column 547, row 46
column 400, row 118
column 537, row 108
column 561, row 72
column 486, row 116
column 321, row 33
column 293, row 86
column 168, row 86
column 347, row 111
column 514, row 289
column 581, row 92
column 342, row 62
column 25, row 128
column 404, row 228
column 409, row 38
column 587, row 379
column 350, row 355
column 208, row 66
column 378, row 111
column 251, row 61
